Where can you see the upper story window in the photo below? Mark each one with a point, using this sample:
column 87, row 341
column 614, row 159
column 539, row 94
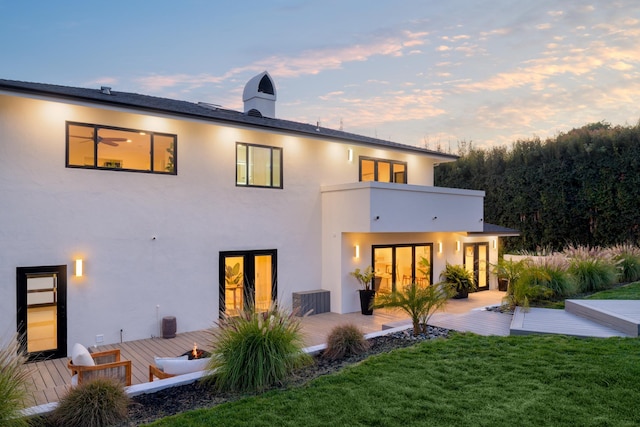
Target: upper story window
column 383, row 170
column 103, row 147
column 258, row 166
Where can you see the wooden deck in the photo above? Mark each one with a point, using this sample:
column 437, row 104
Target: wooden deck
column 51, row 378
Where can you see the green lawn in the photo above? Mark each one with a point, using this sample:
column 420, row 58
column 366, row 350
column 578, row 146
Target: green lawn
column 630, row 291
column 467, row 380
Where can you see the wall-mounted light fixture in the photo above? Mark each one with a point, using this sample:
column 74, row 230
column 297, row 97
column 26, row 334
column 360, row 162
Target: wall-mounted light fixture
column 356, row 251
column 79, row 265
column 495, row 243
column 458, row 245
column 350, row 155
column 439, row 247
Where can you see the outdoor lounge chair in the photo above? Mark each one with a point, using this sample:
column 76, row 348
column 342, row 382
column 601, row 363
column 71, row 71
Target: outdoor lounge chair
column 101, row 364
column 167, row 367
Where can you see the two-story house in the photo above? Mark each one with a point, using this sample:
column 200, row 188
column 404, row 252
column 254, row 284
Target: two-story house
column 118, row 209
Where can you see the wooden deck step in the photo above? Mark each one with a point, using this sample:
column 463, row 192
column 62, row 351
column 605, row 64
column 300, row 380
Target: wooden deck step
column 550, row 321
column 621, row 315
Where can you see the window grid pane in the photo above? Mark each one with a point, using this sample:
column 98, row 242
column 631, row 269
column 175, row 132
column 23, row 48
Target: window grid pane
column 101, row 147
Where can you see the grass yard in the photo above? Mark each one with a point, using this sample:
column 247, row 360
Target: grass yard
column 467, row 380
column 630, row 291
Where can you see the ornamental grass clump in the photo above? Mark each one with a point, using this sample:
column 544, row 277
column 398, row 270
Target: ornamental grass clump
column 593, row 274
column 256, row 350
column 96, row 403
column 561, row 283
column 627, row 260
column 345, row 340
column 13, row 384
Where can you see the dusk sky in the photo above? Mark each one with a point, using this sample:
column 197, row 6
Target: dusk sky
column 416, row 72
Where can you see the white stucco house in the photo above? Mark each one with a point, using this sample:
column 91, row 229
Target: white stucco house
column 120, row 209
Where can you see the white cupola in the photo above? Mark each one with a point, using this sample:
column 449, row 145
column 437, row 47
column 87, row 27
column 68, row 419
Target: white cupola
column 259, row 96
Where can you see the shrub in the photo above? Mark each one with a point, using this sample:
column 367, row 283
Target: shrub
column 593, row 274
column 13, row 384
column 345, row 340
column 256, row 350
column 99, row 402
column 419, row 302
column 627, row 260
column 510, row 270
column 530, row 286
column 458, row 277
column 561, row 282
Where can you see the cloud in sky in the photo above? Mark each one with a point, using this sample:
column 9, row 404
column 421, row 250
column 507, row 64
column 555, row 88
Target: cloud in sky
column 458, row 70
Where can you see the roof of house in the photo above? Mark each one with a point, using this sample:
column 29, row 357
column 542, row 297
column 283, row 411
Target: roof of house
column 496, row 230
column 202, row 111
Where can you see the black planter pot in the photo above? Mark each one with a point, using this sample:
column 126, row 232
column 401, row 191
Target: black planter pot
column 366, row 299
column 462, row 293
column 502, row 284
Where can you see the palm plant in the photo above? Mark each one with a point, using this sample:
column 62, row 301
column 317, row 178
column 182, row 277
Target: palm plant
column 510, row 270
column 419, row 302
column 364, row 277
column 530, row 285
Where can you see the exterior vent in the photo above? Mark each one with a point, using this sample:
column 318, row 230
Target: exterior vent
column 105, row 89
column 260, row 94
column 254, row 113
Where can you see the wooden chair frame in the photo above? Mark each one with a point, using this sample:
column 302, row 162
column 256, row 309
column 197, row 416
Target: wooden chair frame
column 108, row 365
column 155, row 372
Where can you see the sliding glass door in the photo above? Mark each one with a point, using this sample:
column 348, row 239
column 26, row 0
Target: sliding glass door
column 397, row 265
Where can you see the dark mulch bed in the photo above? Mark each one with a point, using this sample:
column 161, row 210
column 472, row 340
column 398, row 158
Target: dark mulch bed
column 149, row 407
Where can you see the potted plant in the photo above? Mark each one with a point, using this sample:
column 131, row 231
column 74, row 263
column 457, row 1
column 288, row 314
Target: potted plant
column 508, row 272
column 366, row 293
column 460, row 279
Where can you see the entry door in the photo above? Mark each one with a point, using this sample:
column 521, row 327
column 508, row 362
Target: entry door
column 247, row 278
column 42, row 311
column 476, row 260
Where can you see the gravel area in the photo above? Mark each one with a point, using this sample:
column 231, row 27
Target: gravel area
column 149, row 407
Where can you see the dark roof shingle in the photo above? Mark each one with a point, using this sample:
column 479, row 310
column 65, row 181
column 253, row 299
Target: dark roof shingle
column 202, row 111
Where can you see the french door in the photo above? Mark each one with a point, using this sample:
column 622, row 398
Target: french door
column 248, row 279
column 398, row 265
column 42, row 311
column 476, row 260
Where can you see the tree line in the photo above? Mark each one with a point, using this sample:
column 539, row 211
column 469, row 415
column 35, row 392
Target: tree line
column 581, row 187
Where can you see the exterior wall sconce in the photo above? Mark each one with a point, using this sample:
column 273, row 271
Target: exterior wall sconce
column 439, row 247
column 458, row 245
column 495, row 243
column 79, row 265
column 350, row 155
column 356, row 251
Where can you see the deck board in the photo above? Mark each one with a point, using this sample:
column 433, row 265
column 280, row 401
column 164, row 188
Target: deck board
column 50, row 379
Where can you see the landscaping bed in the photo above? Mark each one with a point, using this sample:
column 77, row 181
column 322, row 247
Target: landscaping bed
column 149, row 407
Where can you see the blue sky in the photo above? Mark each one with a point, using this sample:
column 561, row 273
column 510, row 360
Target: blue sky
column 428, row 73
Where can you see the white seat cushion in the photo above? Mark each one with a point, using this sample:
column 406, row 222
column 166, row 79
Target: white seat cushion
column 80, row 356
column 159, row 361
column 179, row 367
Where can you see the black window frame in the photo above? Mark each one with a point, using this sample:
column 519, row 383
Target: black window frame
column 375, row 169
column 97, row 127
column 246, row 160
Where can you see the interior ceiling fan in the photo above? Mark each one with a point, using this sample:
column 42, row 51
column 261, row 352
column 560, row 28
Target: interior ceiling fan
column 107, row 140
